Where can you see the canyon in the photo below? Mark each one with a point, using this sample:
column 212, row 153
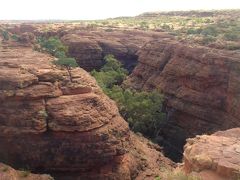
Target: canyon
column 74, row 130
column 201, row 86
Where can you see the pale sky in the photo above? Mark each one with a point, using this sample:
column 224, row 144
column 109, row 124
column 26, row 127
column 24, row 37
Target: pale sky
column 100, row 9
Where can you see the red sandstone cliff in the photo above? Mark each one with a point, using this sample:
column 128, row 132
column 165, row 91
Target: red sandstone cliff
column 70, row 130
column 89, row 46
column 202, row 86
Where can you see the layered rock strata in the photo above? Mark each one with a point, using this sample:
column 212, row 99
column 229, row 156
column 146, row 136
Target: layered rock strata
column 202, row 87
column 70, row 130
column 89, row 48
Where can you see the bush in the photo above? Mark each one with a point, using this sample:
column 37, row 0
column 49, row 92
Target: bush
column 144, row 25
column 194, row 31
column 5, row 35
column 210, row 31
column 231, row 36
column 207, row 40
column 15, row 37
column 166, row 27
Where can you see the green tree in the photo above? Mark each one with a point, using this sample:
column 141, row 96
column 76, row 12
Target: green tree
column 68, row 63
column 142, row 110
column 53, row 45
column 112, row 73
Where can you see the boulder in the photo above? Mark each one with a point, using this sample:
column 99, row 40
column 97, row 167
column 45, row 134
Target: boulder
column 216, row 155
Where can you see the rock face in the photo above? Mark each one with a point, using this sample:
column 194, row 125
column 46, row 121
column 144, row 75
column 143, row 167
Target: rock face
column 214, row 156
column 202, row 87
column 8, row 173
column 89, row 47
column 70, row 130
column 87, row 52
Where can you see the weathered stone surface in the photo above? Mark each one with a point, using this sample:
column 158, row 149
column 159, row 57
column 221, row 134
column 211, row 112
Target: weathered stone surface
column 8, row 173
column 87, row 52
column 214, row 154
column 70, row 130
column 202, row 86
column 45, row 130
column 89, row 47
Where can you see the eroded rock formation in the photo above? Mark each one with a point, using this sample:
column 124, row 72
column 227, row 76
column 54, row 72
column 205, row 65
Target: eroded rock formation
column 70, row 130
column 89, row 47
column 215, row 156
column 202, row 86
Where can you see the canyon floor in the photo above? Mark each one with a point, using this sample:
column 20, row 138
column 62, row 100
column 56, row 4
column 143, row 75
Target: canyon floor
column 69, row 129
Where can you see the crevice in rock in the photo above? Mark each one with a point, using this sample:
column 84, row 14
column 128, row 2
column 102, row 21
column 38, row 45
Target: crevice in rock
column 47, row 115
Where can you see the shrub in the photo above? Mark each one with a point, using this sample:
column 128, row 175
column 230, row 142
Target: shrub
column 194, row 31
column 208, row 39
column 5, row 35
column 144, row 25
column 231, row 36
column 166, row 27
column 210, row 31
column 15, row 37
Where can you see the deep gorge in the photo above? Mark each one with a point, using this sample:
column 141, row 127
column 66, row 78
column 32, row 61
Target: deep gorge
column 69, row 128
column 195, row 80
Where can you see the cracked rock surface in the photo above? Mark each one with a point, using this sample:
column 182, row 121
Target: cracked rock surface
column 217, row 154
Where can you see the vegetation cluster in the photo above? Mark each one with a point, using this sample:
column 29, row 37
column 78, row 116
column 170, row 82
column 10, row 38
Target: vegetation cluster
column 55, row 47
column 219, row 29
column 142, row 110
